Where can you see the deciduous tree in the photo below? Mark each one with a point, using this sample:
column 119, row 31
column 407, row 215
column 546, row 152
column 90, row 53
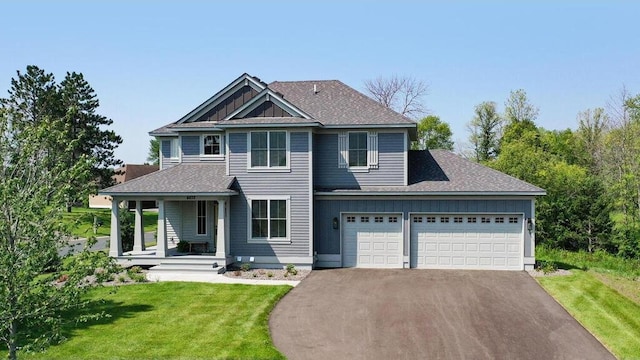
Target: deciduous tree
column 433, row 134
column 154, row 152
column 486, row 130
column 34, row 287
column 403, row 94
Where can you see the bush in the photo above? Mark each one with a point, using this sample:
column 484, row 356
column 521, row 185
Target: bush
column 245, row 267
column 291, row 269
column 183, row 246
column 270, row 274
column 547, row 267
column 127, row 229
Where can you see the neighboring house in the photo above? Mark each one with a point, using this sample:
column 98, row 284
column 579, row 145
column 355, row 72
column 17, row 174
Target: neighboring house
column 122, row 174
column 316, row 174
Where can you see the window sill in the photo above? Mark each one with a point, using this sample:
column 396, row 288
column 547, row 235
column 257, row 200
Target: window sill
column 211, row 157
column 358, row 169
column 269, row 241
column 269, row 170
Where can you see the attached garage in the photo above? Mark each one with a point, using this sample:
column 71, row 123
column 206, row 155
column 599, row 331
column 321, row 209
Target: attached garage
column 467, row 241
column 372, row 240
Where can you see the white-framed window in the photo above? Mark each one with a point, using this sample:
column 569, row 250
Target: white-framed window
column 472, row 220
column 417, row 219
column 457, row 219
column 513, row 220
column 268, row 149
column 351, row 219
column 364, row 219
column 173, row 145
column 358, row 150
column 485, row 220
column 378, row 219
column 201, row 217
column 393, row 219
column 499, row 220
column 211, row 144
column 269, row 218
column 444, row 219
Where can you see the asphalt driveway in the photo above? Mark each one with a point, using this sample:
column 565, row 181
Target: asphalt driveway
column 426, row 314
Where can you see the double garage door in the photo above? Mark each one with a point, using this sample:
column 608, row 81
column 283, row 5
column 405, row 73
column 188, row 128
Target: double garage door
column 441, row 241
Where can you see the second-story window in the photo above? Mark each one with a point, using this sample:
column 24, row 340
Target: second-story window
column 358, row 149
column 211, row 145
column 268, row 149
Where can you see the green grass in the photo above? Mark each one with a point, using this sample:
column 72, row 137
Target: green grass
column 598, row 261
column 80, row 221
column 611, row 317
column 175, row 321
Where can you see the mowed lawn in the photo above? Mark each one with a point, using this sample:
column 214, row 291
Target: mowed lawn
column 80, row 221
column 172, row 320
column 603, row 294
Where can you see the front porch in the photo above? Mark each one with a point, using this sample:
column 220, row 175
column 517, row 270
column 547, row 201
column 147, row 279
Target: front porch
column 199, row 220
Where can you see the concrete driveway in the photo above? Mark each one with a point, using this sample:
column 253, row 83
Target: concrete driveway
column 426, row 314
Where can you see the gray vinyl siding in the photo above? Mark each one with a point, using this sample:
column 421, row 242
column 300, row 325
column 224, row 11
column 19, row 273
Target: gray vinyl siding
column 165, row 160
column 189, row 220
column 294, row 184
column 390, row 160
column 327, row 239
column 173, row 214
column 191, row 149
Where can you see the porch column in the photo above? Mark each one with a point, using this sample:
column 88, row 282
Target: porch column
column 138, row 237
column 161, row 247
column 115, row 243
column 220, row 234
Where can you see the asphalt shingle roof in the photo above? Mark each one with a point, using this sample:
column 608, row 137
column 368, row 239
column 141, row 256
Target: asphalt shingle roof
column 335, row 103
column 441, row 171
column 179, row 179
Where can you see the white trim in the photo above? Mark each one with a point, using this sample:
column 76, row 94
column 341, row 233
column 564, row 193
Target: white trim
column 171, row 195
column 206, row 217
column 179, row 149
column 226, row 152
column 268, row 239
column 372, row 150
column 269, row 168
column 406, row 158
column 159, row 153
column 343, row 150
column 220, row 143
column 370, row 126
column 230, row 125
column 237, row 84
column 310, row 170
column 268, row 95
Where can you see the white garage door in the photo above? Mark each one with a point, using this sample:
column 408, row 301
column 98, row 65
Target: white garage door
column 372, row 240
column 467, row 241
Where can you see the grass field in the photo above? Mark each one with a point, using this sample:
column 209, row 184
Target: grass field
column 80, row 221
column 603, row 294
column 175, row 321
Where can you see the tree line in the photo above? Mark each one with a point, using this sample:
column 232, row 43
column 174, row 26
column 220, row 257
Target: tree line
column 591, row 174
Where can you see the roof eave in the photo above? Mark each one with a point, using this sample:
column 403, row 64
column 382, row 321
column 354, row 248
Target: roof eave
column 429, row 193
column 167, row 194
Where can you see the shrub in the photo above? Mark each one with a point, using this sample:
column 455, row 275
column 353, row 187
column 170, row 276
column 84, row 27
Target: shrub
column 547, row 267
column 183, row 246
column 270, row 274
column 245, row 267
column 291, row 269
column 138, row 277
column 127, row 229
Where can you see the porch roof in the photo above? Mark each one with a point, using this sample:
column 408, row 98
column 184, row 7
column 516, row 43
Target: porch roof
column 183, row 179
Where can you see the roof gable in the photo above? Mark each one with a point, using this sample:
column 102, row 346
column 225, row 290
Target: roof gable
column 227, row 100
column 267, row 96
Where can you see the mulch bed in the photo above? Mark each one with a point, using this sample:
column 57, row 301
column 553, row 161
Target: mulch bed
column 266, row 274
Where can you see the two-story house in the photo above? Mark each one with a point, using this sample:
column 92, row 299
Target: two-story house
column 316, row 174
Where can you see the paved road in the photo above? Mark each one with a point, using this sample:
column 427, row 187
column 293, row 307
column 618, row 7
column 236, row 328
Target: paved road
column 101, row 244
column 426, row 314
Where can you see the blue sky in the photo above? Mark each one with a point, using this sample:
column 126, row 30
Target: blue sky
column 152, row 62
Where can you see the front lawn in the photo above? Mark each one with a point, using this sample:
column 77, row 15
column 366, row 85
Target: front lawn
column 176, row 321
column 80, row 221
column 603, row 294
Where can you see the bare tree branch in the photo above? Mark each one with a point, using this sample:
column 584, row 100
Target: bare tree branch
column 402, row 94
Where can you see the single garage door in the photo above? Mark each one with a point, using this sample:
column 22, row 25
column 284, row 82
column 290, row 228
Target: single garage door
column 372, row 240
column 489, row 241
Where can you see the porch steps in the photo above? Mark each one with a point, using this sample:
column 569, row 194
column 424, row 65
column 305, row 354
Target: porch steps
column 189, row 264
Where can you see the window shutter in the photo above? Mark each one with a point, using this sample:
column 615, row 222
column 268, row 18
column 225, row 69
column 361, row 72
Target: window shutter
column 343, row 150
column 373, row 150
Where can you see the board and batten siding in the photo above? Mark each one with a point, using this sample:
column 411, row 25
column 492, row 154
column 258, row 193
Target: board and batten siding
column 390, row 169
column 294, row 184
column 327, row 239
column 165, row 160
